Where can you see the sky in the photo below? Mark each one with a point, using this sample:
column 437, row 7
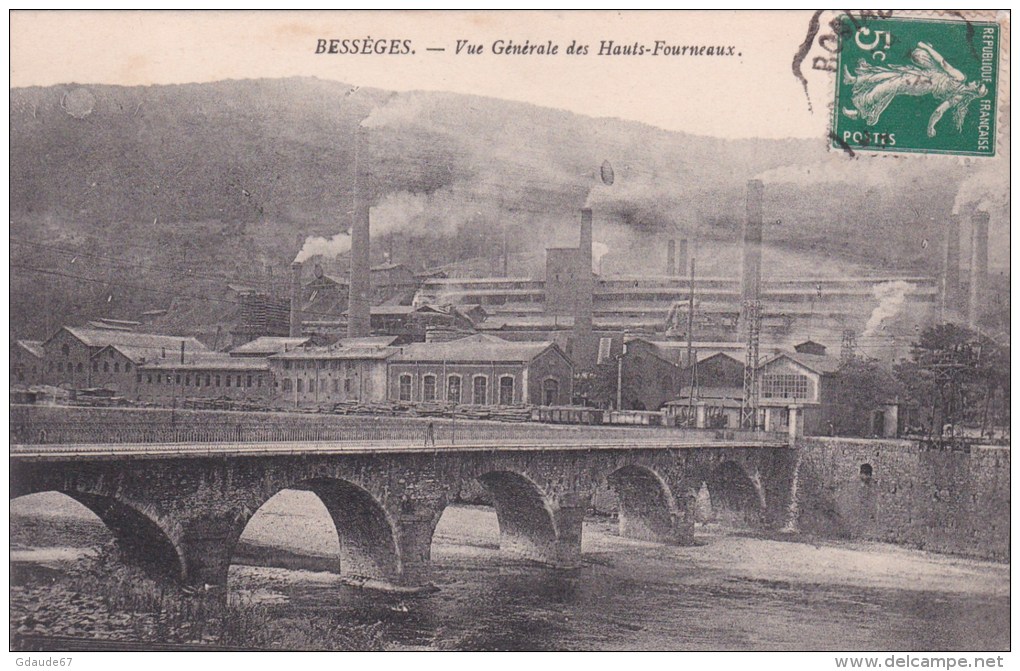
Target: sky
column 753, row 94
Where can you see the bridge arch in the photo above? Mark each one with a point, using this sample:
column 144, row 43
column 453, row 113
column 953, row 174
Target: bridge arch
column 735, row 496
column 140, row 538
column 365, row 530
column 527, row 522
column 647, row 508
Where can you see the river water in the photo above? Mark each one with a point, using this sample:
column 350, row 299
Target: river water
column 730, row 591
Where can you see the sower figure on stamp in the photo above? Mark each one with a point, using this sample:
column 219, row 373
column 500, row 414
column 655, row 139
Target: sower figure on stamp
column 875, row 86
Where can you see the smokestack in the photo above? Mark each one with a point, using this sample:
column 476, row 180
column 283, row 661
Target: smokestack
column 750, row 275
column 978, row 267
column 683, row 263
column 951, row 266
column 295, row 300
column 359, row 305
column 671, row 257
column 584, row 303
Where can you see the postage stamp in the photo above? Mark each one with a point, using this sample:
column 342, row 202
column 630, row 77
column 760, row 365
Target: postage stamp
column 917, row 85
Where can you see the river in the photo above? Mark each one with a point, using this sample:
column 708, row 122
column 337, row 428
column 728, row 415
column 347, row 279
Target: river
column 732, row 590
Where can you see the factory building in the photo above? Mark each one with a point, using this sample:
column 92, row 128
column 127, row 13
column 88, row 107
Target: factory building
column 28, row 363
column 268, row 346
column 202, row 375
column 352, row 370
column 70, row 355
column 481, row 370
column 648, row 379
column 259, row 314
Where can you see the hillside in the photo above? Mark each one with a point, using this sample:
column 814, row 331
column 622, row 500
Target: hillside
column 158, row 196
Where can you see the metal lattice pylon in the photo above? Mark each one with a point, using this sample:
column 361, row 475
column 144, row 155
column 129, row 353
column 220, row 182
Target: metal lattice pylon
column 749, row 402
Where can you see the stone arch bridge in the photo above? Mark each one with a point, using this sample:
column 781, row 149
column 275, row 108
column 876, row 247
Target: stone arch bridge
column 183, row 507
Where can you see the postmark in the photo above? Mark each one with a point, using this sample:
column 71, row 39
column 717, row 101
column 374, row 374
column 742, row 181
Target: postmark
column 917, row 86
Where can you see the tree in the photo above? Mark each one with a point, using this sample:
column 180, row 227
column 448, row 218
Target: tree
column 956, row 377
column 860, row 387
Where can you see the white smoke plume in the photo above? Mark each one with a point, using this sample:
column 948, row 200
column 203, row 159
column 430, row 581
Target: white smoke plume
column 986, row 189
column 891, row 297
column 327, row 247
column 402, row 108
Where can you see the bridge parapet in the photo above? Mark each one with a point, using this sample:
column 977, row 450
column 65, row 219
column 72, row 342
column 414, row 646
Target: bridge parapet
column 109, row 427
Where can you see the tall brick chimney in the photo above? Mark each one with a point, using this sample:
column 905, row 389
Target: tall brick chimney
column 682, row 262
column 359, row 305
column 295, row 299
column 750, row 267
column 978, row 267
column 951, row 265
column 583, row 352
column 671, row 257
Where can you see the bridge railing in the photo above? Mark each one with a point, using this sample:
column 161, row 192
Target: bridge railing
column 361, row 430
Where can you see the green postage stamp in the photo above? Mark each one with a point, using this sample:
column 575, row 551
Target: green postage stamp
column 917, row 85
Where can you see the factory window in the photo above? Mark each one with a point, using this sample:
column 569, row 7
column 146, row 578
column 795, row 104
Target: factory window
column 65, row 350
column 208, row 379
column 506, row 390
column 258, row 381
column 347, row 385
column 300, row 385
column 187, row 380
column 106, row 366
column 405, row 388
column 784, row 386
column 127, row 367
column 453, row 389
column 480, row 392
column 866, row 473
column 116, row 366
column 238, row 380
column 178, row 379
column 228, row 379
column 139, row 378
column 428, row 388
column 286, row 365
column 148, row 378
column 287, row 386
column 217, row 379
column 249, row 381
column 550, row 391
column 78, row 367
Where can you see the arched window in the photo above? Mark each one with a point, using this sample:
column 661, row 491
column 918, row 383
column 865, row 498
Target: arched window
column 480, row 390
column 78, row 367
column 506, row 390
column 65, row 350
column 550, row 391
column 428, row 388
column 106, row 366
column 405, row 388
column 453, row 389
column 116, row 366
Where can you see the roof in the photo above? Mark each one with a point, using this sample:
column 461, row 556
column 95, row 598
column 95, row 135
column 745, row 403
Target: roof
column 207, row 361
column 334, row 353
column 480, row 348
column 268, row 345
column 368, row 341
column 818, row 363
column 389, row 266
column 150, row 342
column 109, row 327
column 33, row 347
